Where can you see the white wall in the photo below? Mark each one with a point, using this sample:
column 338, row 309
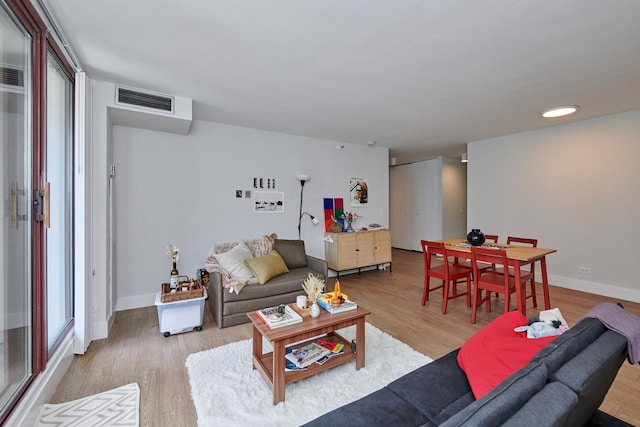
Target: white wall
column 181, row 190
column 576, row 188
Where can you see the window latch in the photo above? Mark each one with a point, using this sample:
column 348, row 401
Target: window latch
column 41, row 205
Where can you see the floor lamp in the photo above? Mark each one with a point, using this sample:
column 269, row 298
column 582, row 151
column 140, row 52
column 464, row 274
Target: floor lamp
column 304, row 178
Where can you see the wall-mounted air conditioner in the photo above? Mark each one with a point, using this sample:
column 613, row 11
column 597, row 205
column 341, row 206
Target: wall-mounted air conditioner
column 151, row 110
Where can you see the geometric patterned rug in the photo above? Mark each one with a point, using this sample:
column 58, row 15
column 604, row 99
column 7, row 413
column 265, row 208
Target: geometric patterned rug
column 117, row 407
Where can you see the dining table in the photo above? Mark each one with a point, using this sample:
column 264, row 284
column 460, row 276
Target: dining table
column 517, row 256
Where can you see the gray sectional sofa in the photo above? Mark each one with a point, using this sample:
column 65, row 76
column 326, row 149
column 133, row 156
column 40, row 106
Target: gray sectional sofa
column 230, row 308
column 563, row 385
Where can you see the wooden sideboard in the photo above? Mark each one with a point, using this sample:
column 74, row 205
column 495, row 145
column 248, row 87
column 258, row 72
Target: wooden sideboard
column 349, row 251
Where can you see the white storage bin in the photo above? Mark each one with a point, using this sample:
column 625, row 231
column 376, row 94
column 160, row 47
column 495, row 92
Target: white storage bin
column 180, row 316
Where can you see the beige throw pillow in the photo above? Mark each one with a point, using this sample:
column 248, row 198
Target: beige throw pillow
column 233, row 262
column 267, row 267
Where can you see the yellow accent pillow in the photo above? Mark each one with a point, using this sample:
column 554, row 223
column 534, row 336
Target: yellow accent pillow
column 265, row 268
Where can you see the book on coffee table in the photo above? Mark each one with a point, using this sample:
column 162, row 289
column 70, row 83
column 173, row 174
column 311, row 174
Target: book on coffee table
column 345, row 306
column 274, row 318
column 306, row 355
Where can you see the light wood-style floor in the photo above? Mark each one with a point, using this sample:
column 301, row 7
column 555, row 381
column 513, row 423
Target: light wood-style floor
column 137, row 352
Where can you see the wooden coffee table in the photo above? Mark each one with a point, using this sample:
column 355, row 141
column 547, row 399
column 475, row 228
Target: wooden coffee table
column 271, row 365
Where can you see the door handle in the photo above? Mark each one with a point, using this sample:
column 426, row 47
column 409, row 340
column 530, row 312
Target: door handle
column 15, row 217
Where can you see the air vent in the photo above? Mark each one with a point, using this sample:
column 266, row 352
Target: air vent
column 11, row 76
column 137, row 98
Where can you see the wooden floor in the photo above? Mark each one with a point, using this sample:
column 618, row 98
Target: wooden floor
column 137, row 352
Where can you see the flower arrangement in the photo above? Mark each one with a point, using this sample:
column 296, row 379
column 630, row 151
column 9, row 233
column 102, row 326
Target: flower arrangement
column 349, row 217
column 313, row 286
column 173, row 253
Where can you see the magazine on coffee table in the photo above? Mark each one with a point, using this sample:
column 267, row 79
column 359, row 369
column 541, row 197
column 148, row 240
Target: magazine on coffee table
column 306, row 355
column 274, row 318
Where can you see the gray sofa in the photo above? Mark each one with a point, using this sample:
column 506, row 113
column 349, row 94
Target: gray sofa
column 563, row 385
column 229, row 308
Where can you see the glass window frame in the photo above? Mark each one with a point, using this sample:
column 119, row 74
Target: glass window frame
column 42, row 46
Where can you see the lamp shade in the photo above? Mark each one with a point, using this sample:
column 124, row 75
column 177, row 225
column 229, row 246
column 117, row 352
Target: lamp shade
column 303, row 177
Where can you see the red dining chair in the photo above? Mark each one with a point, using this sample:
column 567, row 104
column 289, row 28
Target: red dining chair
column 488, row 238
column 489, row 280
column 491, row 238
column 447, row 272
column 524, row 241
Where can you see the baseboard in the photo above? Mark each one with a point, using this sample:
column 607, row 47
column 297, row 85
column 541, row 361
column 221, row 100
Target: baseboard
column 43, row 387
column 625, row 294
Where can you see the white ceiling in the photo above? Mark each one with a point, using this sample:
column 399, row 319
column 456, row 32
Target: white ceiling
column 422, row 77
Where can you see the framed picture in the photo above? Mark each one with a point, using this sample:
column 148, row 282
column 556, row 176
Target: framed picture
column 268, row 201
column 359, row 192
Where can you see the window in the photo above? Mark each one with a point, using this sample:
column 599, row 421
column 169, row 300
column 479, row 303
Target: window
column 16, row 296
column 36, row 263
column 59, row 166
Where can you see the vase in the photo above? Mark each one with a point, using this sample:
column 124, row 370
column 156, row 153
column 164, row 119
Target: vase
column 475, row 237
column 314, row 311
column 349, row 227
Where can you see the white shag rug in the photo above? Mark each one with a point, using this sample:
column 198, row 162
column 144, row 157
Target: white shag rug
column 228, row 392
column 118, row 407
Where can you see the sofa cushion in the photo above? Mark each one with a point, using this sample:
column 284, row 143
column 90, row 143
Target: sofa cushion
column 551, row 406
column 292, row 252
column 283, row 284
column 266, row 267
column 454, row 392
column 497, row 406
column 258, row 246
column 380, row 408
column 570, row 343
column 233, row 262
column 496, row 351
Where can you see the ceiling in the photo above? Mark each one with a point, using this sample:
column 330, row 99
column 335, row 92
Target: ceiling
column 422, row 77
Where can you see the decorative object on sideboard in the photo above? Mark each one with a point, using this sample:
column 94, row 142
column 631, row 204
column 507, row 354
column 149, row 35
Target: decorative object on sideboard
column 475, row 237
column 335, row 227
column 348, row 218
column 333, row 209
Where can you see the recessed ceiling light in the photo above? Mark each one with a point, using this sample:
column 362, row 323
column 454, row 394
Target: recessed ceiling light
column 560, row 111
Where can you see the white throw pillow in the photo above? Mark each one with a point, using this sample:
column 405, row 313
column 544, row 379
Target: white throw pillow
column 233, row 262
